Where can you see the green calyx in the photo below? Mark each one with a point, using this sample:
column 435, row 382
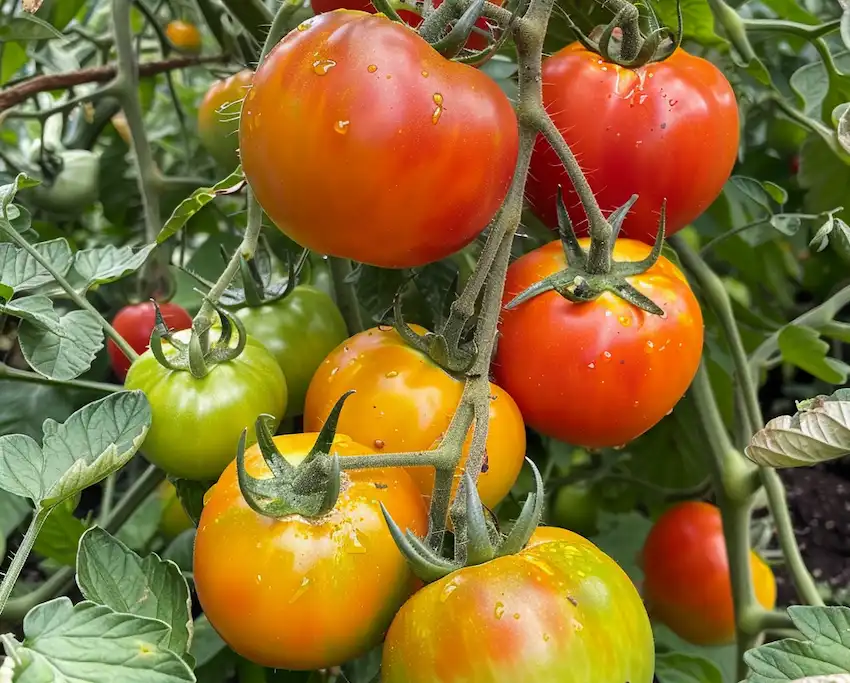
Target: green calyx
column 198, row 355
column 590, row 273
column 484, row 541
column 641, row 39
column 309, row 489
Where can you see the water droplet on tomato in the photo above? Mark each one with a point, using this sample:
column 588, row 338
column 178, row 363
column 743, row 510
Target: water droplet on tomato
column 391, row 374
column 499, row 610
column 447, row 591
column 341, row 127
column 372, row 68
column 438, row 111
column 303, row 26
column 322, row 66
column 591, row 365
column 424, row 74
column 545, row 637
column 516, row 615
column 625, row 320
column 379, row 444
column 607, row 354
column 649, row 346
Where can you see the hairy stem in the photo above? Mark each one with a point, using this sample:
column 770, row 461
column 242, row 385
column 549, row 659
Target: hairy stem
column 7, row 372
column 21, row 555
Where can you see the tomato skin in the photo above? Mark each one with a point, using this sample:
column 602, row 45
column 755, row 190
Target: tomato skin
column 218, row 117
column 405, row 402
column 185, row 37
column 412, row 19
column 665, row 130
column 306, row 594
column 299, row 331
column 135, row 323
column 196, row 423
column 571, row 367
column 348, row 91
column 545, row 614
column 686, row 570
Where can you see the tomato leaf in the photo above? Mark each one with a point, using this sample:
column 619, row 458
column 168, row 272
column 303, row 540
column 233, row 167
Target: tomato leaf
column 108, row 264
column 60, row 536
column 21, row 272
column 64, row 351
column 819, row 431
column 819, row 91
column 60, row 639
column 824, row 652
column 677, row 667
column 91, row 444
column 25, row 27
column 197, row 201
column 697, row 20
column 803, row 347
column 13, row 511
column 109, row 573
column 842, row 125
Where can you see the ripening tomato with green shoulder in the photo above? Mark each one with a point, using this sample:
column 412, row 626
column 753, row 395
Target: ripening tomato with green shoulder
column 299, row 330
column 303, row 594
column 666, row 130
column 601, row 373
column 405, row 402
column 686, row 575
column 218, row 117
column 135, row 323
column 476, row 41
column 347, row 91
column 184, row 36
column 196, row 423
column 559, row 610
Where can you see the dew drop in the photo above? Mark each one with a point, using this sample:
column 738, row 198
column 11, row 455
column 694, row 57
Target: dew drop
column 447, row 591
column 372, row 68
column 322, row 66
column 391, row 374
column 591, row 365
column 379, row 444
column 341, row 127
column 334, row 371
column 649, row 345
column 438, row 111
column 625, row 320
column 499, row 610
column 607, row 354
column 516, row 615
column 424, row 74
column 303, row 26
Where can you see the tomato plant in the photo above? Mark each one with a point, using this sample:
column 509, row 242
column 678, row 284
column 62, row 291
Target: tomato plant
column 214, row 409
column 565, row 363
column 299, row 331
column 299, row 593
column 218, row 117
column 348, row 91
column 135, row 322
column 686, row 570
column 184, row 35
column 666, row 131
column 543, row 614
column 404, row 402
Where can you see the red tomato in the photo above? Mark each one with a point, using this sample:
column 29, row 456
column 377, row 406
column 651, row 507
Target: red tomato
column 135, row 323
column 665, row 130
column 601, row 373
column 475, row 41
column 353, row 120
column 405, row 402
column 297, row 593
column 686, row 569
column 560, row 610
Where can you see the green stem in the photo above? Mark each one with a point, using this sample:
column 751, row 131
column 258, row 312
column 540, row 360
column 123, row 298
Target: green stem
column 346, row 294
column 433, row 458
column 7, row 372
column 212, row 16
column 248, row 672
column 62, row 581
column 806, row 587
column 252, row 14
column 21, row 555
column 808, row 31
column 81, row 301
column 108, row 498
column 127, row 82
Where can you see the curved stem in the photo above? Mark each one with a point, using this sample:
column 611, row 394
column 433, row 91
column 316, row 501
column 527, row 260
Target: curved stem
column 794, row 28
column 7, row 372
column 346, row 294
column 806, row 587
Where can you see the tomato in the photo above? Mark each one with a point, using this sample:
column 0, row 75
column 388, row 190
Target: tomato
column 354, row 119
column 545, row 614
column 576, row 507
column 196, row 423
column 667, row 130
column 299, row 331
column 185, row 37
column 404, row 402
column 299, row 593
column 218, row 117
column 601, row 373
column 74, row 189
column 174, row 520
column 135, row 323
column 686, row 570
column 475, row 41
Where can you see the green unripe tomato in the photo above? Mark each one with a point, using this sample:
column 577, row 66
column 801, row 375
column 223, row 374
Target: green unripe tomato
column 196, row 423
column 300, row 331
column 75, row 188
column 174, row 520
column 576, row 508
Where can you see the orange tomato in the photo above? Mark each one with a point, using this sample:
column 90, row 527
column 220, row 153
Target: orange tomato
column 185, row 37
column 303, row 594
column 218, row 117
column 404, row 402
